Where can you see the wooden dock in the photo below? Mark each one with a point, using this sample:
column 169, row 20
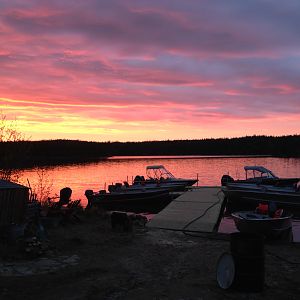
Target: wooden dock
column 195, row 210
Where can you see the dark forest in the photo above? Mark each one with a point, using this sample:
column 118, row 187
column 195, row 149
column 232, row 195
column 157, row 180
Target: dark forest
column 29, row 153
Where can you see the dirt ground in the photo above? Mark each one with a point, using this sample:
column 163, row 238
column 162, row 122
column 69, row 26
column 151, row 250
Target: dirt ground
column 144, row 264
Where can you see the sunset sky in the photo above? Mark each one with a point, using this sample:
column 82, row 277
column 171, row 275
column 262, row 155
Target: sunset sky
column 108, row 70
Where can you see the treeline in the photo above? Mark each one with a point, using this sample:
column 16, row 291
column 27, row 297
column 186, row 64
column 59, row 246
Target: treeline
column 285, row 146
column 49, row 152
column 68, row 151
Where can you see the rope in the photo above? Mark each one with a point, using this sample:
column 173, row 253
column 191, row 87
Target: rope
column 204, row 213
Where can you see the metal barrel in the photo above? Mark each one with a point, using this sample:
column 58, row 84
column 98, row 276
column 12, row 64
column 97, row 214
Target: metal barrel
column 249, row 260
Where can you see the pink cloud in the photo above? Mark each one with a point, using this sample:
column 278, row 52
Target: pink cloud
column 141, row 63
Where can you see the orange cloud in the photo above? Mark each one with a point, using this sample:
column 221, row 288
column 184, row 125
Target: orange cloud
column 133, row 70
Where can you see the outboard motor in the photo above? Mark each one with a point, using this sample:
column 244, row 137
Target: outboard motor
column 225, row 179
column 111, row 188
column 137, row 179
column 88, row 193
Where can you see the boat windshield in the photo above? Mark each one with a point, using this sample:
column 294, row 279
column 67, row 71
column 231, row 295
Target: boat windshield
column 258, row 172
column 158, row 172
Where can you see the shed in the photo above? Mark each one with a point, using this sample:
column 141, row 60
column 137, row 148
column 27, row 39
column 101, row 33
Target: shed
column 13, row 202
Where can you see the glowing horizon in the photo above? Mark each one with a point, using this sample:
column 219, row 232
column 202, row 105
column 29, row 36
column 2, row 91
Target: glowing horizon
column 135, row 71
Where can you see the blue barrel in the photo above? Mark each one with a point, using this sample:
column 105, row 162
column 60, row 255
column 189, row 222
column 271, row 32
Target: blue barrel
column 248, row 254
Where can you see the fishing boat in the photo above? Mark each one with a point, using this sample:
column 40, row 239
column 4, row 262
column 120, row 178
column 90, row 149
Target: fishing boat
column 140, row 186
column 269, row 226
column 262, row 185
column 159, row 175
column 137, row 201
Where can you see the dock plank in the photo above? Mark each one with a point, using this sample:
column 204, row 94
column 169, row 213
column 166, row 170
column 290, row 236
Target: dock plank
column 200, row 206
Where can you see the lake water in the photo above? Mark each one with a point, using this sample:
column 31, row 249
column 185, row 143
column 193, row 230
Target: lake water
column 96, row 176
column 209, row 170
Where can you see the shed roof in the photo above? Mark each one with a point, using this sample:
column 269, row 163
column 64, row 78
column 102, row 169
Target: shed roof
column 5, row 184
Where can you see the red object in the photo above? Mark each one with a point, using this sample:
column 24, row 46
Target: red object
column 278, row 213
column 262, row 209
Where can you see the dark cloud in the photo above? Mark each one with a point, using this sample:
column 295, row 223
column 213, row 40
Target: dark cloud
column 217, row 28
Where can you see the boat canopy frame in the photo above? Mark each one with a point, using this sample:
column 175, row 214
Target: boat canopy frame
column 158, row 172
column 261, row 171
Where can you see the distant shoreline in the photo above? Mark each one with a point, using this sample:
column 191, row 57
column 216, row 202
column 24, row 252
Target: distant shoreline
column 55, row 152
column 181, row 156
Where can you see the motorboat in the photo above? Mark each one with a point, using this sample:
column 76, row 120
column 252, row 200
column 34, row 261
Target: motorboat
column 142, row 186
column 271, row 227
column 261, row 185
column 159, row 175
column 137, row 201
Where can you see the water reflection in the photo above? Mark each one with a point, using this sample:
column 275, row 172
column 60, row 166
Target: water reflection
column 96, row 176
column 209, row 170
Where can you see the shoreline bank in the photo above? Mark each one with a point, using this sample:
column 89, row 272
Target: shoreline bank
column 145, row 264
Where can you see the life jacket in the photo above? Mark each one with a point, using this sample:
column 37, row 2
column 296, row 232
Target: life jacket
column 262, row 209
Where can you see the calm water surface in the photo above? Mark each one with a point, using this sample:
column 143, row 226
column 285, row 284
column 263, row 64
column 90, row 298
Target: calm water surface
column 96, row 176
